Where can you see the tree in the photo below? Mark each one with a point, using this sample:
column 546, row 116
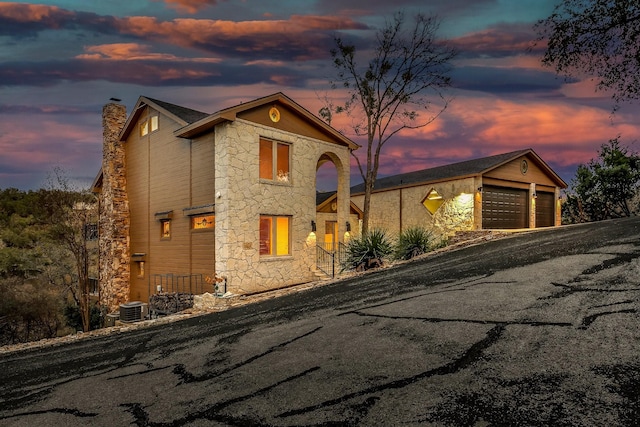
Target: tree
column 72, row 213
column 606, row 186
column 408, row 68
column 599, row 38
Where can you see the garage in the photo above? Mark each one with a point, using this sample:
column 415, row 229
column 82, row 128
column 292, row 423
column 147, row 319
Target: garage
column 504, row 207
column 545, row 212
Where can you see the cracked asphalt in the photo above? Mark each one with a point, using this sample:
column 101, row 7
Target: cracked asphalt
column 541, row 328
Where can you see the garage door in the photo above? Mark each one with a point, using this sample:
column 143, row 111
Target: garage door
column 545, row 214
column 504, row 208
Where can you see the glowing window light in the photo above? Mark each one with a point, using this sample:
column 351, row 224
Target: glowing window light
column 433, row 201
column 275, row 235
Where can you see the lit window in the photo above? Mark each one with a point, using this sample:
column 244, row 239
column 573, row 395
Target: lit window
column 433, row 201
column 200, row 222
column 149, row 125
column 165, row 228
column 274, row 235
column 274, row 161
column 153, row 123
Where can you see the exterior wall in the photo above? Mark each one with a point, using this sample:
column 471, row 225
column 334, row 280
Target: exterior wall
column 114, row 213
column 166, row 173
column 244, row 197
column 399, row 209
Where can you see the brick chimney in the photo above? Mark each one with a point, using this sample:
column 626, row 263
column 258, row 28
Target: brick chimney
column 114, row 212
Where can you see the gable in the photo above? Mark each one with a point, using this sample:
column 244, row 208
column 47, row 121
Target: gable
column 286, row 119
column 531, row 171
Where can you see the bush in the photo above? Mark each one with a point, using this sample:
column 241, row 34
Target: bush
column 412, row 242
column 368, row 250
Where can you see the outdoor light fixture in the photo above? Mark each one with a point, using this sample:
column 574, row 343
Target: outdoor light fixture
column 348, row 226
column 479, row 189
column 313, row 226
column 535, row 196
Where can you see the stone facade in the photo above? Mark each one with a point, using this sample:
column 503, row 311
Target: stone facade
column 114, row 212
column 244, row 197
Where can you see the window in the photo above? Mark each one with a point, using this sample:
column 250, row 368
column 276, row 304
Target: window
column 274, row 161
column 275, row 235
column 149, row 125
column 201, row 222
column 433, row 201
column 165, row 228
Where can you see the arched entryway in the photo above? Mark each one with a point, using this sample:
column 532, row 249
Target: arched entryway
column 334, row 223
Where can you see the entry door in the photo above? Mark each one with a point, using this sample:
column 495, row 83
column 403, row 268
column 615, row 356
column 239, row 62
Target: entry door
column 330, row 235
column 504, row 207
column 545, row 212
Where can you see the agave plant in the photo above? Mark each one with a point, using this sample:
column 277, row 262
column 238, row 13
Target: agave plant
column 412, row 242
column 368, row 250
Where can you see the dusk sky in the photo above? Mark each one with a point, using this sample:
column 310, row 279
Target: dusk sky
column 61, row 61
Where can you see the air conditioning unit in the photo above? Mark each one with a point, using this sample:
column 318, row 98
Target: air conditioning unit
column 133, row 311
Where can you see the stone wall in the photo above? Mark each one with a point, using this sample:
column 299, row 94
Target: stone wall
column 114, row 212
column 244, row 197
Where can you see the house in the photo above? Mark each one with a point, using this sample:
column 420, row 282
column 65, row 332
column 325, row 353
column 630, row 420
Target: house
column 507, row 191
column 186, row 195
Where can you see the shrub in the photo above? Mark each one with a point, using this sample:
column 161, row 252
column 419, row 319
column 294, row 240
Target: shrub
column 368, row 250
column 412, row 242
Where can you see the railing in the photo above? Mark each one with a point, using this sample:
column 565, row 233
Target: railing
column 186, row 283
column 333, row 260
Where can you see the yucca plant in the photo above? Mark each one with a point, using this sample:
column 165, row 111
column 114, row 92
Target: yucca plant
column 368, row 250
column 414, row 241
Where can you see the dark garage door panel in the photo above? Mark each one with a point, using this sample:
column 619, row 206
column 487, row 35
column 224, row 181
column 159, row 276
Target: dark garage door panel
column 545, row 212
column 504, row 207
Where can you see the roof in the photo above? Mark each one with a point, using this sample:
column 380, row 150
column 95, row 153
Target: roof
column 455, row 171
column 187, row 114
column 229, row 114
column 323, row 196
column 182, row 115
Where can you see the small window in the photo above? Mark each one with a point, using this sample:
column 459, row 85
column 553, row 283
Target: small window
column 433, row 201
column 165, row 228
column 149, row 125
column 275, row 235
column 274, row 161
column 201, row 222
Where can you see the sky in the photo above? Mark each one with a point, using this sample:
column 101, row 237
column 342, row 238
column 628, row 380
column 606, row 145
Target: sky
column 61, row 61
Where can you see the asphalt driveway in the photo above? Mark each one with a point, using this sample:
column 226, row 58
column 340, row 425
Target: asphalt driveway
column 537, row 329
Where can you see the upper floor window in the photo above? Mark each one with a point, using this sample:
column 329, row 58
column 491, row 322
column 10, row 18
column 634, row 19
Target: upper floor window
column 274, row 161
column 149, row 125
column 165, row 228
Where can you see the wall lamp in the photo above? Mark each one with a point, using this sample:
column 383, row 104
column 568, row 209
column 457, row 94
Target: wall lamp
column 348, row 226
column 535, row 196
column 479, row 189
column 313, row 226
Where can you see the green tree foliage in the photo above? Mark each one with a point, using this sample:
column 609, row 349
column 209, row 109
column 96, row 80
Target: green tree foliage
column 605, row 187
column 599, row 38
column 44, row 260
column 408, row 68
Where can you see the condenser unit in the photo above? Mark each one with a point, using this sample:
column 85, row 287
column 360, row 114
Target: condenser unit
column 133, row 311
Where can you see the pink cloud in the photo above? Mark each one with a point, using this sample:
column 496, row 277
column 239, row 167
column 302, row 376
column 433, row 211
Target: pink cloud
column 133, row 52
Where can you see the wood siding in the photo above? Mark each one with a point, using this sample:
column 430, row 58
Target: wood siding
column 165, row 173
column 511, row 172
column 289, row 121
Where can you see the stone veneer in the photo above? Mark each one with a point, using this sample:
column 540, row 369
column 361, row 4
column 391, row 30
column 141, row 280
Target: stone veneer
column 244, row 197
column 114, row 212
